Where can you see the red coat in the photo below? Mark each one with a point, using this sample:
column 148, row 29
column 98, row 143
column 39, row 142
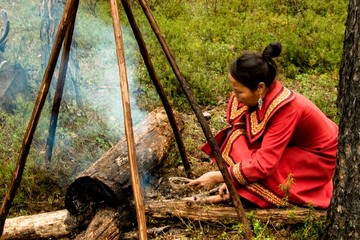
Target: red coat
column 281, row 155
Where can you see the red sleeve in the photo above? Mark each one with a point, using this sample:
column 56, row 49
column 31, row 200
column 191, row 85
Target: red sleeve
column 278, row 133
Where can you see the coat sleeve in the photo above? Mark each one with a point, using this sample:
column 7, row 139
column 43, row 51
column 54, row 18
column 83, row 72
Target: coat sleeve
column 263, row 163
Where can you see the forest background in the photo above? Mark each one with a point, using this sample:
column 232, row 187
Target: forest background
column 204, row 37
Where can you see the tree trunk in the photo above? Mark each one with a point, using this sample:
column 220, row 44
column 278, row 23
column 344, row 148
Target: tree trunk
column 107, row 183
column 344, row 214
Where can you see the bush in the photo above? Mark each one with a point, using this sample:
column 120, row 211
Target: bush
column 205, row 36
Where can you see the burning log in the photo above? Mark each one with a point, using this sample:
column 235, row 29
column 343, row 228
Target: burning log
column 103, row 226
column 107, row 182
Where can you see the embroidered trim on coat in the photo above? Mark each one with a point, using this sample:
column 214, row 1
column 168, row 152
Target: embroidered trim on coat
column 227, row 148
column 238, row 174
column 267, row 195
column 257, row 127
column 235, row 112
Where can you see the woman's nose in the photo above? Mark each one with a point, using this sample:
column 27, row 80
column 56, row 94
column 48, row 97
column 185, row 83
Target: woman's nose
column 236, row 95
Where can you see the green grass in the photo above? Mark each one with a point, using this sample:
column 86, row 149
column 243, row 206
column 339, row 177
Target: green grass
column 206, row 36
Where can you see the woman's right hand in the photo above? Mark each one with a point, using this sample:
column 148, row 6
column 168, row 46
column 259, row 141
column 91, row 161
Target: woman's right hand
column 223, row 191
column 207, row 180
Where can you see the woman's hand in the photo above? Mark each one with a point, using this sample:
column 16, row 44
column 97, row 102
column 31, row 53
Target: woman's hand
column 210, row 199
column 223, row 191
column 217, row 198
column 207, row 180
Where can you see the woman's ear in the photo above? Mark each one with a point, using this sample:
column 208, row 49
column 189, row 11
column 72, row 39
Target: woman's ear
column 261, row 87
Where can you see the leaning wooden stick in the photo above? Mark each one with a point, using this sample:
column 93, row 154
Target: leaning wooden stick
column 205, row 127
column 68, row 17
column 157, row 84
column 59, row 89
column 135, row 180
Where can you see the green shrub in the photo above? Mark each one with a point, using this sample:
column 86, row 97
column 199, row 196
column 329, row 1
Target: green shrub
column 205, row 36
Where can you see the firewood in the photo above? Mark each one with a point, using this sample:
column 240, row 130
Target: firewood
column 107, row 182
column 104, row 225
column 43, row 225
column 219, row 213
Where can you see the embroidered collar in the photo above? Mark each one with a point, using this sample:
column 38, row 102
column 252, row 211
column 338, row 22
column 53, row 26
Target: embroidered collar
column 276, row 97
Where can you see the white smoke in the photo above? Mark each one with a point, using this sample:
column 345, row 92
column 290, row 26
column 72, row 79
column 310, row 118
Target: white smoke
column 104, row 91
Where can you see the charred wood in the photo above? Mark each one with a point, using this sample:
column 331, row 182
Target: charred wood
column 107, row 182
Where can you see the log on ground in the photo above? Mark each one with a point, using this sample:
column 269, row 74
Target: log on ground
column 218, row 213
column 104, row 224
column 39, row 226
column 107, row 182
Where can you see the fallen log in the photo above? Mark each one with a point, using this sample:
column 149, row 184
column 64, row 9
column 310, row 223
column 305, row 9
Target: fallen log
column 104, row 224
column 218, row 213
column 39, row 226
column 107, row 182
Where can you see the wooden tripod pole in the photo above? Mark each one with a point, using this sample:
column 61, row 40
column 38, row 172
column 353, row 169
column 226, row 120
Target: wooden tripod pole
column 59, row 89
column 152, row 73
column 204, row 125
column 44, row 88
column 135, row 180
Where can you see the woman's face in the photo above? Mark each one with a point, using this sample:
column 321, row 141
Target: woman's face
column 244, row 94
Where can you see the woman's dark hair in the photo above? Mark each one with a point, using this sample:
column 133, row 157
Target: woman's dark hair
column 252, row 68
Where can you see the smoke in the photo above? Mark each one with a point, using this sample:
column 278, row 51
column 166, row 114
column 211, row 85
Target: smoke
column 97, row 77
column 103, row 82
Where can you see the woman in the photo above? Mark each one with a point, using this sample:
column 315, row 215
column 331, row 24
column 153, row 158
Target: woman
column 280, row 149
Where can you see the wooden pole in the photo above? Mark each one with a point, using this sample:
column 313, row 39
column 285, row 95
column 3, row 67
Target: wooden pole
column 44, row 88
column 59, row 89
column 135, row 180
column 147, row 60
column 205, row 127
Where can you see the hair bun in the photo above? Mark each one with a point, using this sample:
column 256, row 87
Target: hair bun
column 272, row 50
